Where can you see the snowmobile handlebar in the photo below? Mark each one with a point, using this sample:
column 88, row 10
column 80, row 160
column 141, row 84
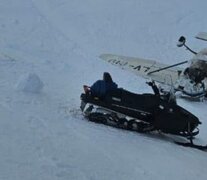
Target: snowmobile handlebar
column 151, row 83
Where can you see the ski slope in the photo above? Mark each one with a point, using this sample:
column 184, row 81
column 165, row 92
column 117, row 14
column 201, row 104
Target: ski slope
column 43, row 134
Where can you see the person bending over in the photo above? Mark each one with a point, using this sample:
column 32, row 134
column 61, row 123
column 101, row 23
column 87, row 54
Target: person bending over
column 101, row 87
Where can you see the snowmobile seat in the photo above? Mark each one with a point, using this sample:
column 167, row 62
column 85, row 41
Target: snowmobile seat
column 141, row 101
column 115, row 93
column 132, row 100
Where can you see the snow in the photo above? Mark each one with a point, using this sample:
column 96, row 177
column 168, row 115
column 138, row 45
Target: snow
column 57, row 42
column 30, row 83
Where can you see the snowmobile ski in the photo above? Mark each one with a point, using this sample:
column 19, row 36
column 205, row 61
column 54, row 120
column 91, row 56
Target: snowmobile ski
column 192, row 145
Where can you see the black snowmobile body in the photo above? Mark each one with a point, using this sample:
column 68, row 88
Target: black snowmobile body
column 148, row 112
column 153, row 109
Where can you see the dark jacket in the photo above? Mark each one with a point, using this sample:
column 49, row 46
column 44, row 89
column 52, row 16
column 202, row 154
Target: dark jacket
column 101, row 87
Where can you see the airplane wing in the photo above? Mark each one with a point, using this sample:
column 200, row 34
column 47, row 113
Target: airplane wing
column 202, row 36
column 144, row 68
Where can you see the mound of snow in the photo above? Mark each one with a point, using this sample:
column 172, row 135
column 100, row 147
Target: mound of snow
column 30, row 83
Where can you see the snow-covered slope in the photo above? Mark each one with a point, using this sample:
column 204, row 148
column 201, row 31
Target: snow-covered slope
column 42, row 133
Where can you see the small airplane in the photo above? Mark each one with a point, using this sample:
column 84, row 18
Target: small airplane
column 190, row 81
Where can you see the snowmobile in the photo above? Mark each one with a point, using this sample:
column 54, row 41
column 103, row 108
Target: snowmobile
column 142, row 113
column 190, row 81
